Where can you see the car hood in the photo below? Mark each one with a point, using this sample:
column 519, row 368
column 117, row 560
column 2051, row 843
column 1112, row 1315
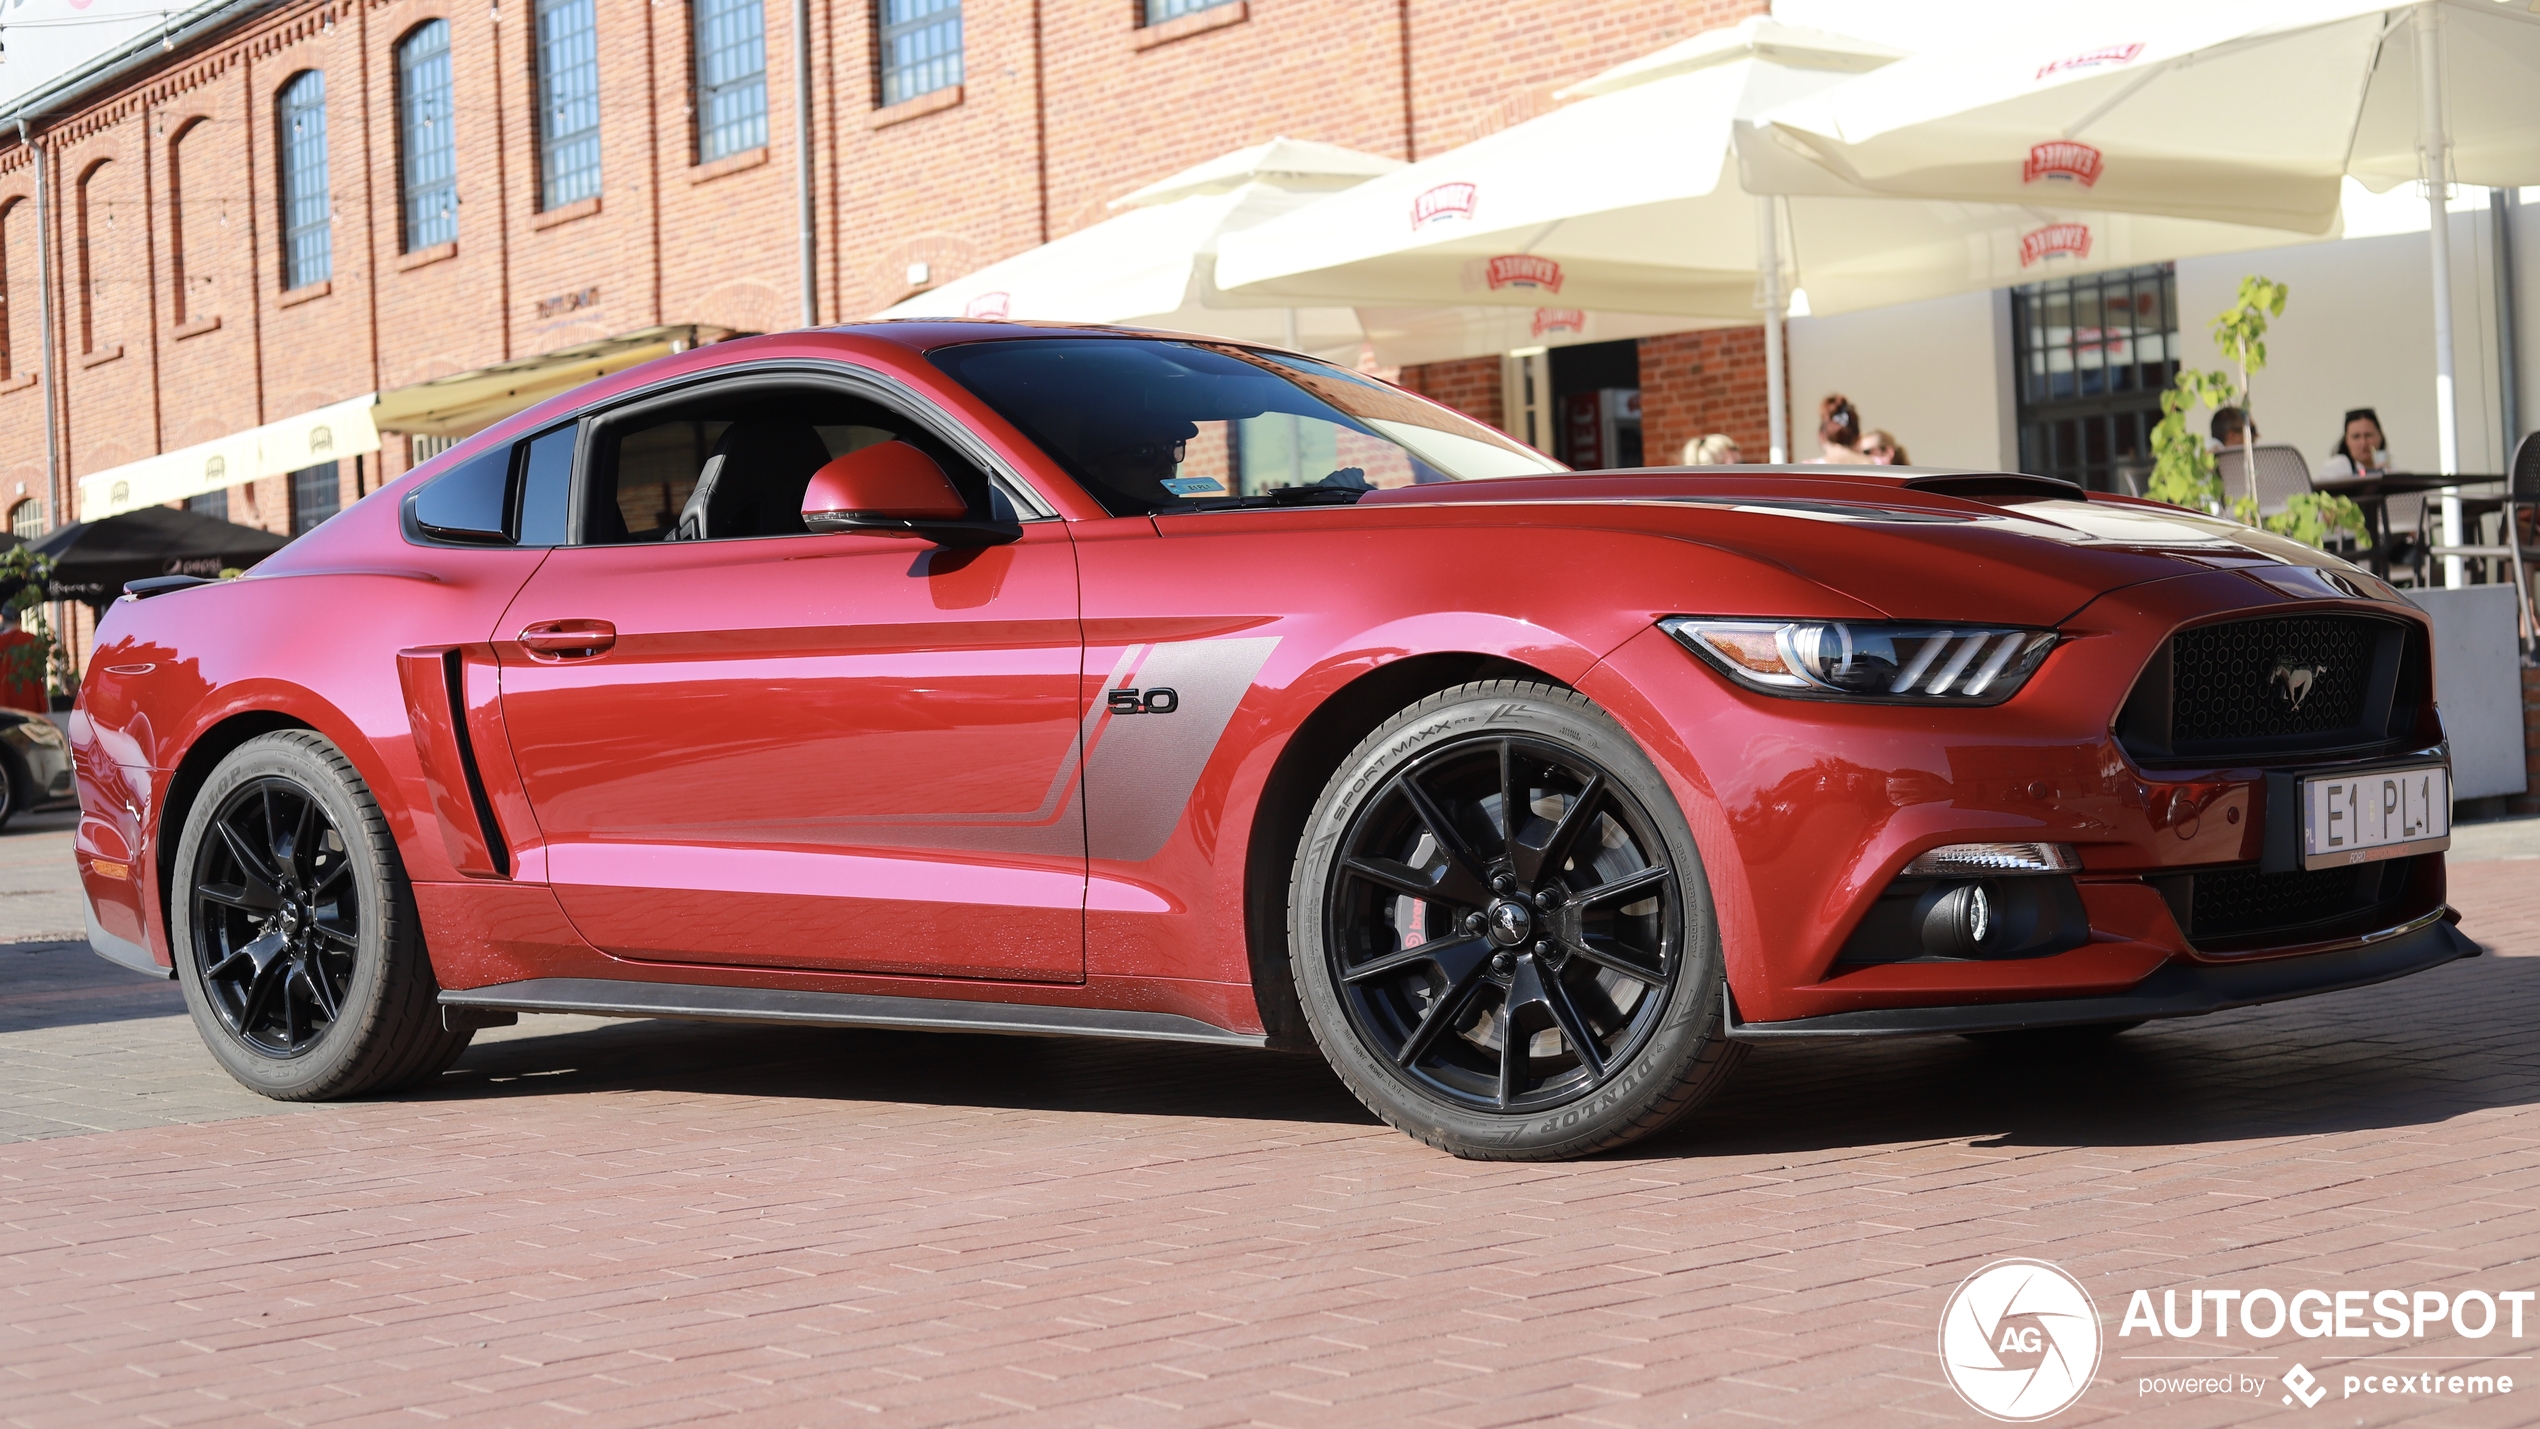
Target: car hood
column 1924, row 545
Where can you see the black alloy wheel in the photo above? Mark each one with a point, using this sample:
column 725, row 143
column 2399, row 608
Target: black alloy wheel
column 298, row 943
column 1501, row 931
column 1507, row 923
column 277, row 917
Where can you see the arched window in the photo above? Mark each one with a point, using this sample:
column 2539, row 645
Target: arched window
column 568, row 102
column 90, row 221
column 425, row 137
column 26, row 519
column 731, row 77
column 308, row 237
column 10, row 225
column 920, row 47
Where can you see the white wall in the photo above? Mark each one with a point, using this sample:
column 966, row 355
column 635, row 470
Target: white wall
column 2358, row 331
column 1933, row 373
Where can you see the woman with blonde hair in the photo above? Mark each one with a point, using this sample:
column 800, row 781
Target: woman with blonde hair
column 1717, row 449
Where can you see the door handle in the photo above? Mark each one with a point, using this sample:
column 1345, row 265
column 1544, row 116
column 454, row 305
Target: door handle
column 567, row 639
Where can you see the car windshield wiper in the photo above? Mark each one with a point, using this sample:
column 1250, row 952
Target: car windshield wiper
column 1322, row 493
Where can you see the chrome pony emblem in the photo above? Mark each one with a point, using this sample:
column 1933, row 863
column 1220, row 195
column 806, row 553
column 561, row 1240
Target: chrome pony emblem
column 2294, row 682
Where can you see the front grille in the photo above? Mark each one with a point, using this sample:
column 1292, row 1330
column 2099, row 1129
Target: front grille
column 2229, row 909
column 2284, row 685
column 2267, row 679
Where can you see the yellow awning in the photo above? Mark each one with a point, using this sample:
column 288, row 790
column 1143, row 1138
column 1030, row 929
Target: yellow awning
column 465, row 403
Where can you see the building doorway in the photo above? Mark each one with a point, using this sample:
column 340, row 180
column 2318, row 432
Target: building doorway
column 2093, row 355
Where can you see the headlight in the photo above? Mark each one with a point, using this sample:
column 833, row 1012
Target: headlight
column 1868, row 660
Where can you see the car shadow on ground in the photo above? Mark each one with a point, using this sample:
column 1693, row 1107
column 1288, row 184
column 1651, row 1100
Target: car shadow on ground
column 932, row 1068
column 2423, row 1050
column 2415, row 1052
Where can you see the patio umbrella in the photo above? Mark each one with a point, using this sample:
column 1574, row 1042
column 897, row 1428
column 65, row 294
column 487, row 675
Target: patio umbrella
column 1627, row 201
column 93, row 559
column 2248, row 111
column 1155, row 266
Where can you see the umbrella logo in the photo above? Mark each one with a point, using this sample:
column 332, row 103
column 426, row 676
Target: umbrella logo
column 2063, row 159
column 1444, row 201
column 2055, row 240
column 1559, row 320
column 1524, row 270
column 2019, row 1341
column 2093, row 59
column 988, row 305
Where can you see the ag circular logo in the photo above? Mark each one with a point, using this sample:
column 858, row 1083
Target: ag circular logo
column 2019, row 1340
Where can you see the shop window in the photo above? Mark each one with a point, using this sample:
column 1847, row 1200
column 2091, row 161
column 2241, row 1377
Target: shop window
column 214, row 504
column 308, row 230
column 1596, row 404
column 2092, row 355
column 920, row 47
column 317, row 492
column 426, row 137
column 568, row 102
column 731, row 77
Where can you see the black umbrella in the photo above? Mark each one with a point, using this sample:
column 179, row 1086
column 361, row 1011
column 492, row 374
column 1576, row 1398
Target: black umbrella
column 93, row 559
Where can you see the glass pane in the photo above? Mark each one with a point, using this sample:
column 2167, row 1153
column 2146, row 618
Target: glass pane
column 308, row 248
column 568, row 101
column 427, row 138
column 921, row 47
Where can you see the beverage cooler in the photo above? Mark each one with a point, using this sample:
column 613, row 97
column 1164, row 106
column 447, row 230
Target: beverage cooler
column 1601, row 428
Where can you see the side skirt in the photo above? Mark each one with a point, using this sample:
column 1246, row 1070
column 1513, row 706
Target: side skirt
column 606, row 997
column 2174, row 990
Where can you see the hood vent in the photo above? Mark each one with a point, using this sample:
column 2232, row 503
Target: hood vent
column 1997, row 487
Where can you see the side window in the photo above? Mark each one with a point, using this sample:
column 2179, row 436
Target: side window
column 511, row 495
column 735, row 465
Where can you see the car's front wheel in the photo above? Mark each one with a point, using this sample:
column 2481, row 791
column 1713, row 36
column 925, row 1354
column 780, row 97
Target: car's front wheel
column 295, row 932
column 1501, row 932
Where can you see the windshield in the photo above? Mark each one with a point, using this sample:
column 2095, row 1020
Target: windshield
column 1149, row 425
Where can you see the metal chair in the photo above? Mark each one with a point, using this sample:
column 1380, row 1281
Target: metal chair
column 2522, row 493
column 2281, row 475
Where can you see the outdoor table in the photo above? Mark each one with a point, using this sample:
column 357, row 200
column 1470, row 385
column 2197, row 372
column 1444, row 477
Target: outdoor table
column 2373, row 494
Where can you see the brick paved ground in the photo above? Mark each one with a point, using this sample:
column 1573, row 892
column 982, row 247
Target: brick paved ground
column 639, row 1223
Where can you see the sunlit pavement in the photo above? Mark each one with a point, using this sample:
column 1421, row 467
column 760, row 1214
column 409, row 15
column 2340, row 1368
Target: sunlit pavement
column 647, row 1223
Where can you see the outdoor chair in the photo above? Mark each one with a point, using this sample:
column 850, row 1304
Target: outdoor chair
column 2522, row 493
column 2282, row 474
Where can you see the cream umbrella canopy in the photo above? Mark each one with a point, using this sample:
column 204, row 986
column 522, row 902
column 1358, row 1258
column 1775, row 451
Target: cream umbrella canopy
column 1152, row 265
column 1627, row 201
column 2242, row 110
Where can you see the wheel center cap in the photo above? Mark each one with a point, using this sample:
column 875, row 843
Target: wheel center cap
column 1511, row 923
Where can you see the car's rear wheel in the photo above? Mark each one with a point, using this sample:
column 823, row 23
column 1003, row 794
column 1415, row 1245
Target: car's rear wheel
column 296, row 936
column 17, row 789
column 1501, row 932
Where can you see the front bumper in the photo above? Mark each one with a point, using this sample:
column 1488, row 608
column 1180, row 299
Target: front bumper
column 2177, row 989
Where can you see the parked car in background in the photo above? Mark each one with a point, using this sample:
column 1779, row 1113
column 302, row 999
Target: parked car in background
column 35, row 765
column 1025, row 679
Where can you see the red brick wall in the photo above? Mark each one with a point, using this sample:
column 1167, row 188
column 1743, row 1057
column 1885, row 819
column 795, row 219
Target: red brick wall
column 1472, row 387
column 1696, row 383
column 1056, row 116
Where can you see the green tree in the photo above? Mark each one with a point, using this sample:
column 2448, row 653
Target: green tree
column 24, row 576
column 2184, row 473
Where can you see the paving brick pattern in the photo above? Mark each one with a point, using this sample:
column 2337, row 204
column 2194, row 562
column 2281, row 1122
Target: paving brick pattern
column 646, row 1224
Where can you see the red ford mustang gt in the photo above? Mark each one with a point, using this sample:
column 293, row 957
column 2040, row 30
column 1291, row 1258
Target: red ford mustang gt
column 1001, row 678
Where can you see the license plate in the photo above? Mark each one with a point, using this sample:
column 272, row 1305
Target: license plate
column 2387, row 813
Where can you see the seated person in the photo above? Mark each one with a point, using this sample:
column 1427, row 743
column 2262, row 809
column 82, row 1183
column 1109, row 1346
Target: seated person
column 2361, row 449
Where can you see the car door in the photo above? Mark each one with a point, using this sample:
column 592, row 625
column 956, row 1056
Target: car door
column 750, row 745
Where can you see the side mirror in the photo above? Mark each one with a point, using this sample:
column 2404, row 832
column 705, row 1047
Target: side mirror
column 893, row 489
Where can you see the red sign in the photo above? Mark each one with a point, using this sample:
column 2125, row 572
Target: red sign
column 1444, row 201
column 2055, row 240
column 1559, row 320
column 2093, row 59
column 2063, row 159
column 988, row 305
column 1524, row 270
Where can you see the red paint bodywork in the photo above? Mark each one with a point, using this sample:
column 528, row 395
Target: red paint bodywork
column 776, row 774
